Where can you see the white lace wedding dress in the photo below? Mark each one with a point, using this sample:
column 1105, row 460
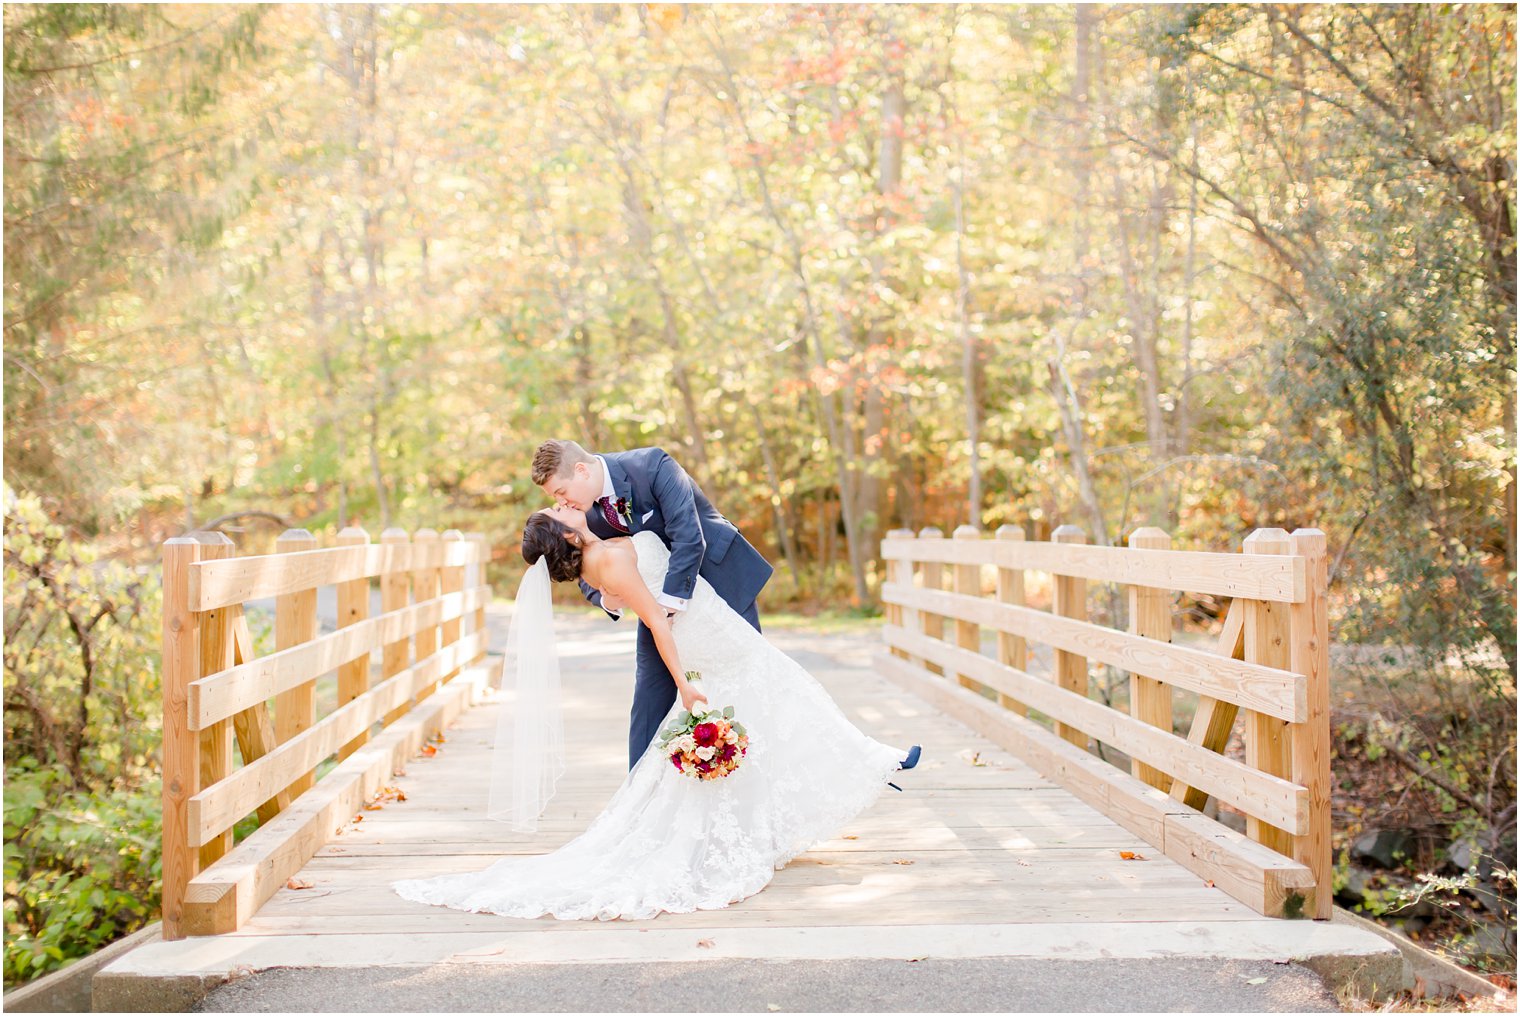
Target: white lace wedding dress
column 672, row 843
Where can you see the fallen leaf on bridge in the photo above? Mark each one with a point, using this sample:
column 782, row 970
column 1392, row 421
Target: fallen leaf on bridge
column 429, row 750
column 1130, row 855
column 902, row 862
column 1209, row 882
column 704, row 943
column 1023, row 863
column 295, row 883
column 849, row 837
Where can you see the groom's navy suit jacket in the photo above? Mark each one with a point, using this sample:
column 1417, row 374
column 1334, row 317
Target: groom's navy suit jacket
column 659, row 496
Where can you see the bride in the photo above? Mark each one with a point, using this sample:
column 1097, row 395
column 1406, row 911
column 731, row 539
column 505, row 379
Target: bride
column 666, row 842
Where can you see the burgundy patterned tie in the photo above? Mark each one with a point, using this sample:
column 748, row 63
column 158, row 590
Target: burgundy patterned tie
column 610, row 514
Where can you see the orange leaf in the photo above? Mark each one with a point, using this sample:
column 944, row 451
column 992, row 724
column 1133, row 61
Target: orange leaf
column 295, row 883
column 1130, row 855
column 373, row 807
column 902, row 862
column 849, row 837
column 429, row 750
column 1209, row 882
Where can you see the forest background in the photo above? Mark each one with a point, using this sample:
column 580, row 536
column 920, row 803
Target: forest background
column 1209, row 268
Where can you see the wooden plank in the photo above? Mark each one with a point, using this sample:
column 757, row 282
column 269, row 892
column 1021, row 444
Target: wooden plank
column 181, row 746
column 250, row 683
column 1276, row 800
column 226, row 895
column 1275, row 692
column 1310, row 655
column 353, row 608
column 1150, row 617
column 218, row 807
column 1266, row 642
column 295, row 622
column 253, row 727
column 216, row 655
column 475, row 577
column 1070, row 602
column 1012, row 649
column 1280, row 579
column 238, row 580
column 967, row 581
column 932, row 577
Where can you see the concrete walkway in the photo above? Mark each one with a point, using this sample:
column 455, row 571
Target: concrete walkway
column 982, row 887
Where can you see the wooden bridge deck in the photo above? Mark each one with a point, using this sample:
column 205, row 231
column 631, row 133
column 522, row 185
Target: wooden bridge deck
column 976, row 838
column 979, row 857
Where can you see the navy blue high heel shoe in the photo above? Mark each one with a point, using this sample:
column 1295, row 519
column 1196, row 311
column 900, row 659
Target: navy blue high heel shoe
column 914, row 753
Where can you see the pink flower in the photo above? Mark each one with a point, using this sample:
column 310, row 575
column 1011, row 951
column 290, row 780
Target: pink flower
column 677, row 760
column 727, row 752
column 705, row 733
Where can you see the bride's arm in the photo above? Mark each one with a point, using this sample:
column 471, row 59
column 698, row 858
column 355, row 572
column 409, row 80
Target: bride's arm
column 623, row 581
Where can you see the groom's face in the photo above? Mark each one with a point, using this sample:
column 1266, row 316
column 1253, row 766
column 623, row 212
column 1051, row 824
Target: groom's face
column 579, row 488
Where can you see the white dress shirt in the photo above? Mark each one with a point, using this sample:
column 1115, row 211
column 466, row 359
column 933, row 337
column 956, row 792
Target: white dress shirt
column 664, row 599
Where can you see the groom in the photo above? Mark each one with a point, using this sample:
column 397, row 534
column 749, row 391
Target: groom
column 626, row 492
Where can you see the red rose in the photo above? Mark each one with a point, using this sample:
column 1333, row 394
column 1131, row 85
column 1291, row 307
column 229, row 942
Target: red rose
column 727, row 752
column 705, row 733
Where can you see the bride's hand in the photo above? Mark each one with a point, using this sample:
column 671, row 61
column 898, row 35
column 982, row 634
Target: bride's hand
column 690, row 696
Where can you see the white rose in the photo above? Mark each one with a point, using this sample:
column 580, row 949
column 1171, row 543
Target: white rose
column 686, row 743
column 732, row 737
column 706, row 752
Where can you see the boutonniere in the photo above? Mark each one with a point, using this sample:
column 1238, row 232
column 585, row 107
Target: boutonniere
column 624, row 510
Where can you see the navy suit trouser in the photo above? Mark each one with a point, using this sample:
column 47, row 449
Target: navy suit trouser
column 654, row 690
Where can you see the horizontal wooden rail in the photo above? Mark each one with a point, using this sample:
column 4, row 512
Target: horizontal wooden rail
column 1279, row 693
column 220, row 805
column 1280, row 579
column 216, row 584
column 1274, row 800
column 231, row 691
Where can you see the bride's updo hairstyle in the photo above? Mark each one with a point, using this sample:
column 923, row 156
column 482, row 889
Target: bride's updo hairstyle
column 544, row 536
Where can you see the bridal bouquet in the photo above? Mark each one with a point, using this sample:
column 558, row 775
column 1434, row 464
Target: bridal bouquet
column 705, row 743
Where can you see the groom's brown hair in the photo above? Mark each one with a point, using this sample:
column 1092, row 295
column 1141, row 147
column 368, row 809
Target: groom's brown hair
column 555, row 458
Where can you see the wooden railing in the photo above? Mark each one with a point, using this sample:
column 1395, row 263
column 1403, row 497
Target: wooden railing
column 216, row 694
column 1270, row 670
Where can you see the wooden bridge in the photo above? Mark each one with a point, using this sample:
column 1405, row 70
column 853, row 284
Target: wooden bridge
column 1057, row 810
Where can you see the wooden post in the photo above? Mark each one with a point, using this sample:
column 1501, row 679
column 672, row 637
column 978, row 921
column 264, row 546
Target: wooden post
column 451, row 580
column 901, row 574
column 933, row 575
column 353, row 607
column 1267, row 743
column 968, row 582
column 424, row 588
column 295, row 622
column 1013, row 651
column 1310, row 655
column 475, row 576
column 394, row 656
column 216, row 655
column 1070, row 601
column 182, row 747
column 1150, row 616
